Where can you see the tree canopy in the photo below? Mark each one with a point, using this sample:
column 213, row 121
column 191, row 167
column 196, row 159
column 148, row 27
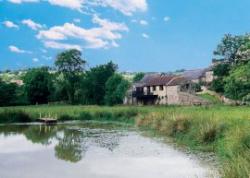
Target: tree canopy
column 37, row 85
column 94, row 82
column 116, row 88
column 70, row 65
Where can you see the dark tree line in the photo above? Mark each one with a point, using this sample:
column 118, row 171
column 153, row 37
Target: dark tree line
column 70, row 83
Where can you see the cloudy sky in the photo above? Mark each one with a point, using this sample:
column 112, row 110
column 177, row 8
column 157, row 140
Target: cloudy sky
column 138, row 35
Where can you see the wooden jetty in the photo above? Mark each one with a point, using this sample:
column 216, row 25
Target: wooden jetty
column 48, row 119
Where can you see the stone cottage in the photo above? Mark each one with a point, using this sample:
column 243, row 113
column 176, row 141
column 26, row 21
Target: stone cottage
column 160, row 89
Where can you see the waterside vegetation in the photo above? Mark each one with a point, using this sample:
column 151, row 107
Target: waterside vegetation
column 223, row 130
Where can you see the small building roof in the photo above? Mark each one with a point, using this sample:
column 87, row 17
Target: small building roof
column 160, row 79
column 194, row 74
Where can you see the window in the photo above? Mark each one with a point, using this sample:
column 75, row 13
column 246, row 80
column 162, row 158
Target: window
column 161, row 87
column 154, row 88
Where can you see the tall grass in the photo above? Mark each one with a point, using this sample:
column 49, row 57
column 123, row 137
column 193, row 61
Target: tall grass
column 226, row 133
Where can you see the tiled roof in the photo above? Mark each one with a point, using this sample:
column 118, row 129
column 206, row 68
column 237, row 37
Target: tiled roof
column 157, row 79
column 194, row 74
column 177, row 81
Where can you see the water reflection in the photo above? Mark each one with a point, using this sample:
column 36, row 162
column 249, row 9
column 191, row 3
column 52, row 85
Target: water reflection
column 92, row 150
column 71, row 140
column 71, row 146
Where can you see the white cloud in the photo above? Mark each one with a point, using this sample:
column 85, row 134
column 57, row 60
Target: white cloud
column 33, row 25
column 144, row 35
column 57, row 45
column 77, row 20
column 15, row 49
column 104, row 36
column 21, row 1
column 10, row 24
column 72, row 4
column 166, row 19
column 127, row 7
column 143, row 22
column 35, row 60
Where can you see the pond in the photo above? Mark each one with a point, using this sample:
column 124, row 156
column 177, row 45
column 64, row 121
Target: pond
column 91, row 150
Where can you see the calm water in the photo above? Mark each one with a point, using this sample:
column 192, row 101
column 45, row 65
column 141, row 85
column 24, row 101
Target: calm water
column 91, row 150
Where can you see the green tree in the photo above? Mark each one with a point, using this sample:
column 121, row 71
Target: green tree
column 116, row 88
column 229, row 46
column 38, row 85
column 237, row 84
column 221, row 70
column 70, row 64
column 7, row 93
column 138, row 76
column 218, row 85
column 94, row 82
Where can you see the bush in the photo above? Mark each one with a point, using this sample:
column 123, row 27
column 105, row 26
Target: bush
column 14, row 116
column 66, row 117
column 85, row 116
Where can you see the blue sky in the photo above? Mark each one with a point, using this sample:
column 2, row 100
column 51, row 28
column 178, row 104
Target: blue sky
column 138, row 35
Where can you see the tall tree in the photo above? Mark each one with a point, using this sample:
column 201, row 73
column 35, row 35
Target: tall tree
column 237, row 84
column 116, row 88
column 7, row 93
column 37, row 85
column 94, row 83
column 229, row 46
column 70, row 64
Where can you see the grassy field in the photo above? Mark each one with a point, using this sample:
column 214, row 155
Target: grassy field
column 223, row 130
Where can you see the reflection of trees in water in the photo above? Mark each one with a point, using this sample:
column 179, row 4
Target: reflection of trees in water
column 73, row 142
column 70, row 146
column 8, row 130
column 76, row 142
column 41, row 134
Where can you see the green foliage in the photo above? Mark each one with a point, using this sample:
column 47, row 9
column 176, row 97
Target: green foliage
column 38, row 83
column 85, row 116
column 238, row 82
column 11, row 116
column 94, row 83
column 70, row 64
column 218, row 85
column 221, row 70
column 116, row 88
column 233, row 74
column 8, row 94
column 229, row 46
column 138, row 76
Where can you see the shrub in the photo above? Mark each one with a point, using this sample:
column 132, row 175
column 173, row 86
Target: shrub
column 14, row 116
column 85, row 116
column 66, row 117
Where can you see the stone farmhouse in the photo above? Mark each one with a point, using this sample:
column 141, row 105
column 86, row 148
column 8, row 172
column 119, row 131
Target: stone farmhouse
column 162, row 89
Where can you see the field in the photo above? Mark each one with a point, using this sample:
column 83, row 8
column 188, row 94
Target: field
column 223, row 130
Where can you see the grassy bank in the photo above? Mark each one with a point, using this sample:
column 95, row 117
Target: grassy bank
column 223, row 130
column 67, row 113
